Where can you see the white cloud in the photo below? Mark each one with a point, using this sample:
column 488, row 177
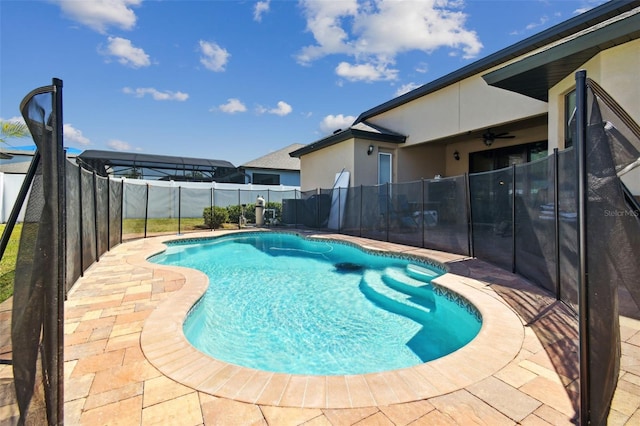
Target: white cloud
column 73, row 135
column 214, row 57
column 127, row 53
column 532, row 26
column 282, row 109
column 101, row 14
column 405, row 88
column 331, row 123
column 260, row 9
column 374, row 32
column 156, row 94
column 366, row 72
column 232, row 106
column 119, row 145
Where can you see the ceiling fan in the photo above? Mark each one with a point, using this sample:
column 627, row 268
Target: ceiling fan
column 488, row 137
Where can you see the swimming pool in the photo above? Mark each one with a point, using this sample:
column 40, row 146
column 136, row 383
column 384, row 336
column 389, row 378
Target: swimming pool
column 278, row 302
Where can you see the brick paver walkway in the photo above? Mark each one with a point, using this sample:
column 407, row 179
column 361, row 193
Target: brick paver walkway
column 111, row 380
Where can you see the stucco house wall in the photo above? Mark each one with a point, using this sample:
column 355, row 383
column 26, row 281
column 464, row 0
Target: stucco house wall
column 320, row 167
column 466, row 106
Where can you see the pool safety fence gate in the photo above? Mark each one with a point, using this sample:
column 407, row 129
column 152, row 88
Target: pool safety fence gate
column 572, row 230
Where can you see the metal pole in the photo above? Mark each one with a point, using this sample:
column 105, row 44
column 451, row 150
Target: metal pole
column 387, row 214
column 179, row 207
column 556, row 219
column 422, row 210
column 59, row 295
column 121, row 208
column 95, row 215
column 146, row 210
column 513, row 218
column 361, row 191
column 108, row 213
column 81, row 233
column 583, row 297
column 467, row 194
column 339, row 210
column 211, row 205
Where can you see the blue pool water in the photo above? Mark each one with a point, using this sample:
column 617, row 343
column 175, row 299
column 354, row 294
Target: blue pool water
column 279, row 302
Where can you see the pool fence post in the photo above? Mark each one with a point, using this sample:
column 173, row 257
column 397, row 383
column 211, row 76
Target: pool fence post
column 467, row 194
column 59, row 294
column 387, row 186
column 80, row 234
column 513, row 218
column 146, row 209
column 360, row 215
column 108, row 213
column 122, row 183
column 583, row 297
column 422, row 200
column 96, row 230
column 556, row 219
column 179, row 207
column 211, row 206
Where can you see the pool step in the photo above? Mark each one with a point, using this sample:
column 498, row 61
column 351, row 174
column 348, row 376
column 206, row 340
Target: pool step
column 398, row 280
column 421, row 273
column 377, row 291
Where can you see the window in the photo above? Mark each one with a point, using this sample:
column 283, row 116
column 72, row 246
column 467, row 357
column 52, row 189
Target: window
column 569, row 123
column 265, row 179
column 500, row 158
column 384, row 168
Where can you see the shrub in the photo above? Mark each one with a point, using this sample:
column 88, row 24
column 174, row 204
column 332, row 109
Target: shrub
column 216, row 217
column 235, row 211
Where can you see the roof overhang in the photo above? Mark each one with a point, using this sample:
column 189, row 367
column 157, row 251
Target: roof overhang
column 565, row 29
column 359, row 131
column 534, row 75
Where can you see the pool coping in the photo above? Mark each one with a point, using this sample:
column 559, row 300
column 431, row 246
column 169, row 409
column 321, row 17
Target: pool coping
column 164, row 345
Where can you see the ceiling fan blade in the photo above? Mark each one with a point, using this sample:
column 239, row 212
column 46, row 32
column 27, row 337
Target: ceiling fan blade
column 504, row 136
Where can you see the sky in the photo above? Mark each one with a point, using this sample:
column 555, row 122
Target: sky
column 236, row 80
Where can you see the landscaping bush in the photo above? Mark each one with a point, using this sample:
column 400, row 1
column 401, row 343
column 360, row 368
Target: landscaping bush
column 233, row 213
column 214, row 218
column 236, row 210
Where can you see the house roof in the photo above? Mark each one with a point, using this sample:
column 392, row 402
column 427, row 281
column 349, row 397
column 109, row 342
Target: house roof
column 277, row 160
column 558, row 32
column 358, row 130
column 534, row 75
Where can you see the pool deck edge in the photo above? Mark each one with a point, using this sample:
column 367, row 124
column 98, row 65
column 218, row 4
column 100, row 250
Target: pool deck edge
column 164, row 343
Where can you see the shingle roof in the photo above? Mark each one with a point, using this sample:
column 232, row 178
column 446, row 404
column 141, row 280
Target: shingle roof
column 358, row 130
column 277, row 160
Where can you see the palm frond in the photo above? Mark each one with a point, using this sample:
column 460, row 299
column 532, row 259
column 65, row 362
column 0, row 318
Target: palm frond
column 13, row 129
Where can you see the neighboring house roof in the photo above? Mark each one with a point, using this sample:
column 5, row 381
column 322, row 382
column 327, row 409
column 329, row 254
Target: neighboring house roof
column 359, row 130
column 558, row 32
column 277, row 160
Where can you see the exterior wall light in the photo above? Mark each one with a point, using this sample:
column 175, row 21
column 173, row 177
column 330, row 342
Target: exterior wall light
column 370, row 150
column 456, row 155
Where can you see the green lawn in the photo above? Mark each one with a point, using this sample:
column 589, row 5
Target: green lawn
column 162, row 226
column 130, row 226
column 8, row 262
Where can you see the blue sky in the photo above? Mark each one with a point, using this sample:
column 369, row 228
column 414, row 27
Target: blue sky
column 235, row 80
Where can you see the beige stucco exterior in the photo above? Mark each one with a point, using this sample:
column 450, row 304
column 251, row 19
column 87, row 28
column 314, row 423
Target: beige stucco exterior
column 449, row 120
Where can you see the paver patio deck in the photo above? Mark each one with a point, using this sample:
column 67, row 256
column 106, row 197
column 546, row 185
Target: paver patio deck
column 127, row 362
